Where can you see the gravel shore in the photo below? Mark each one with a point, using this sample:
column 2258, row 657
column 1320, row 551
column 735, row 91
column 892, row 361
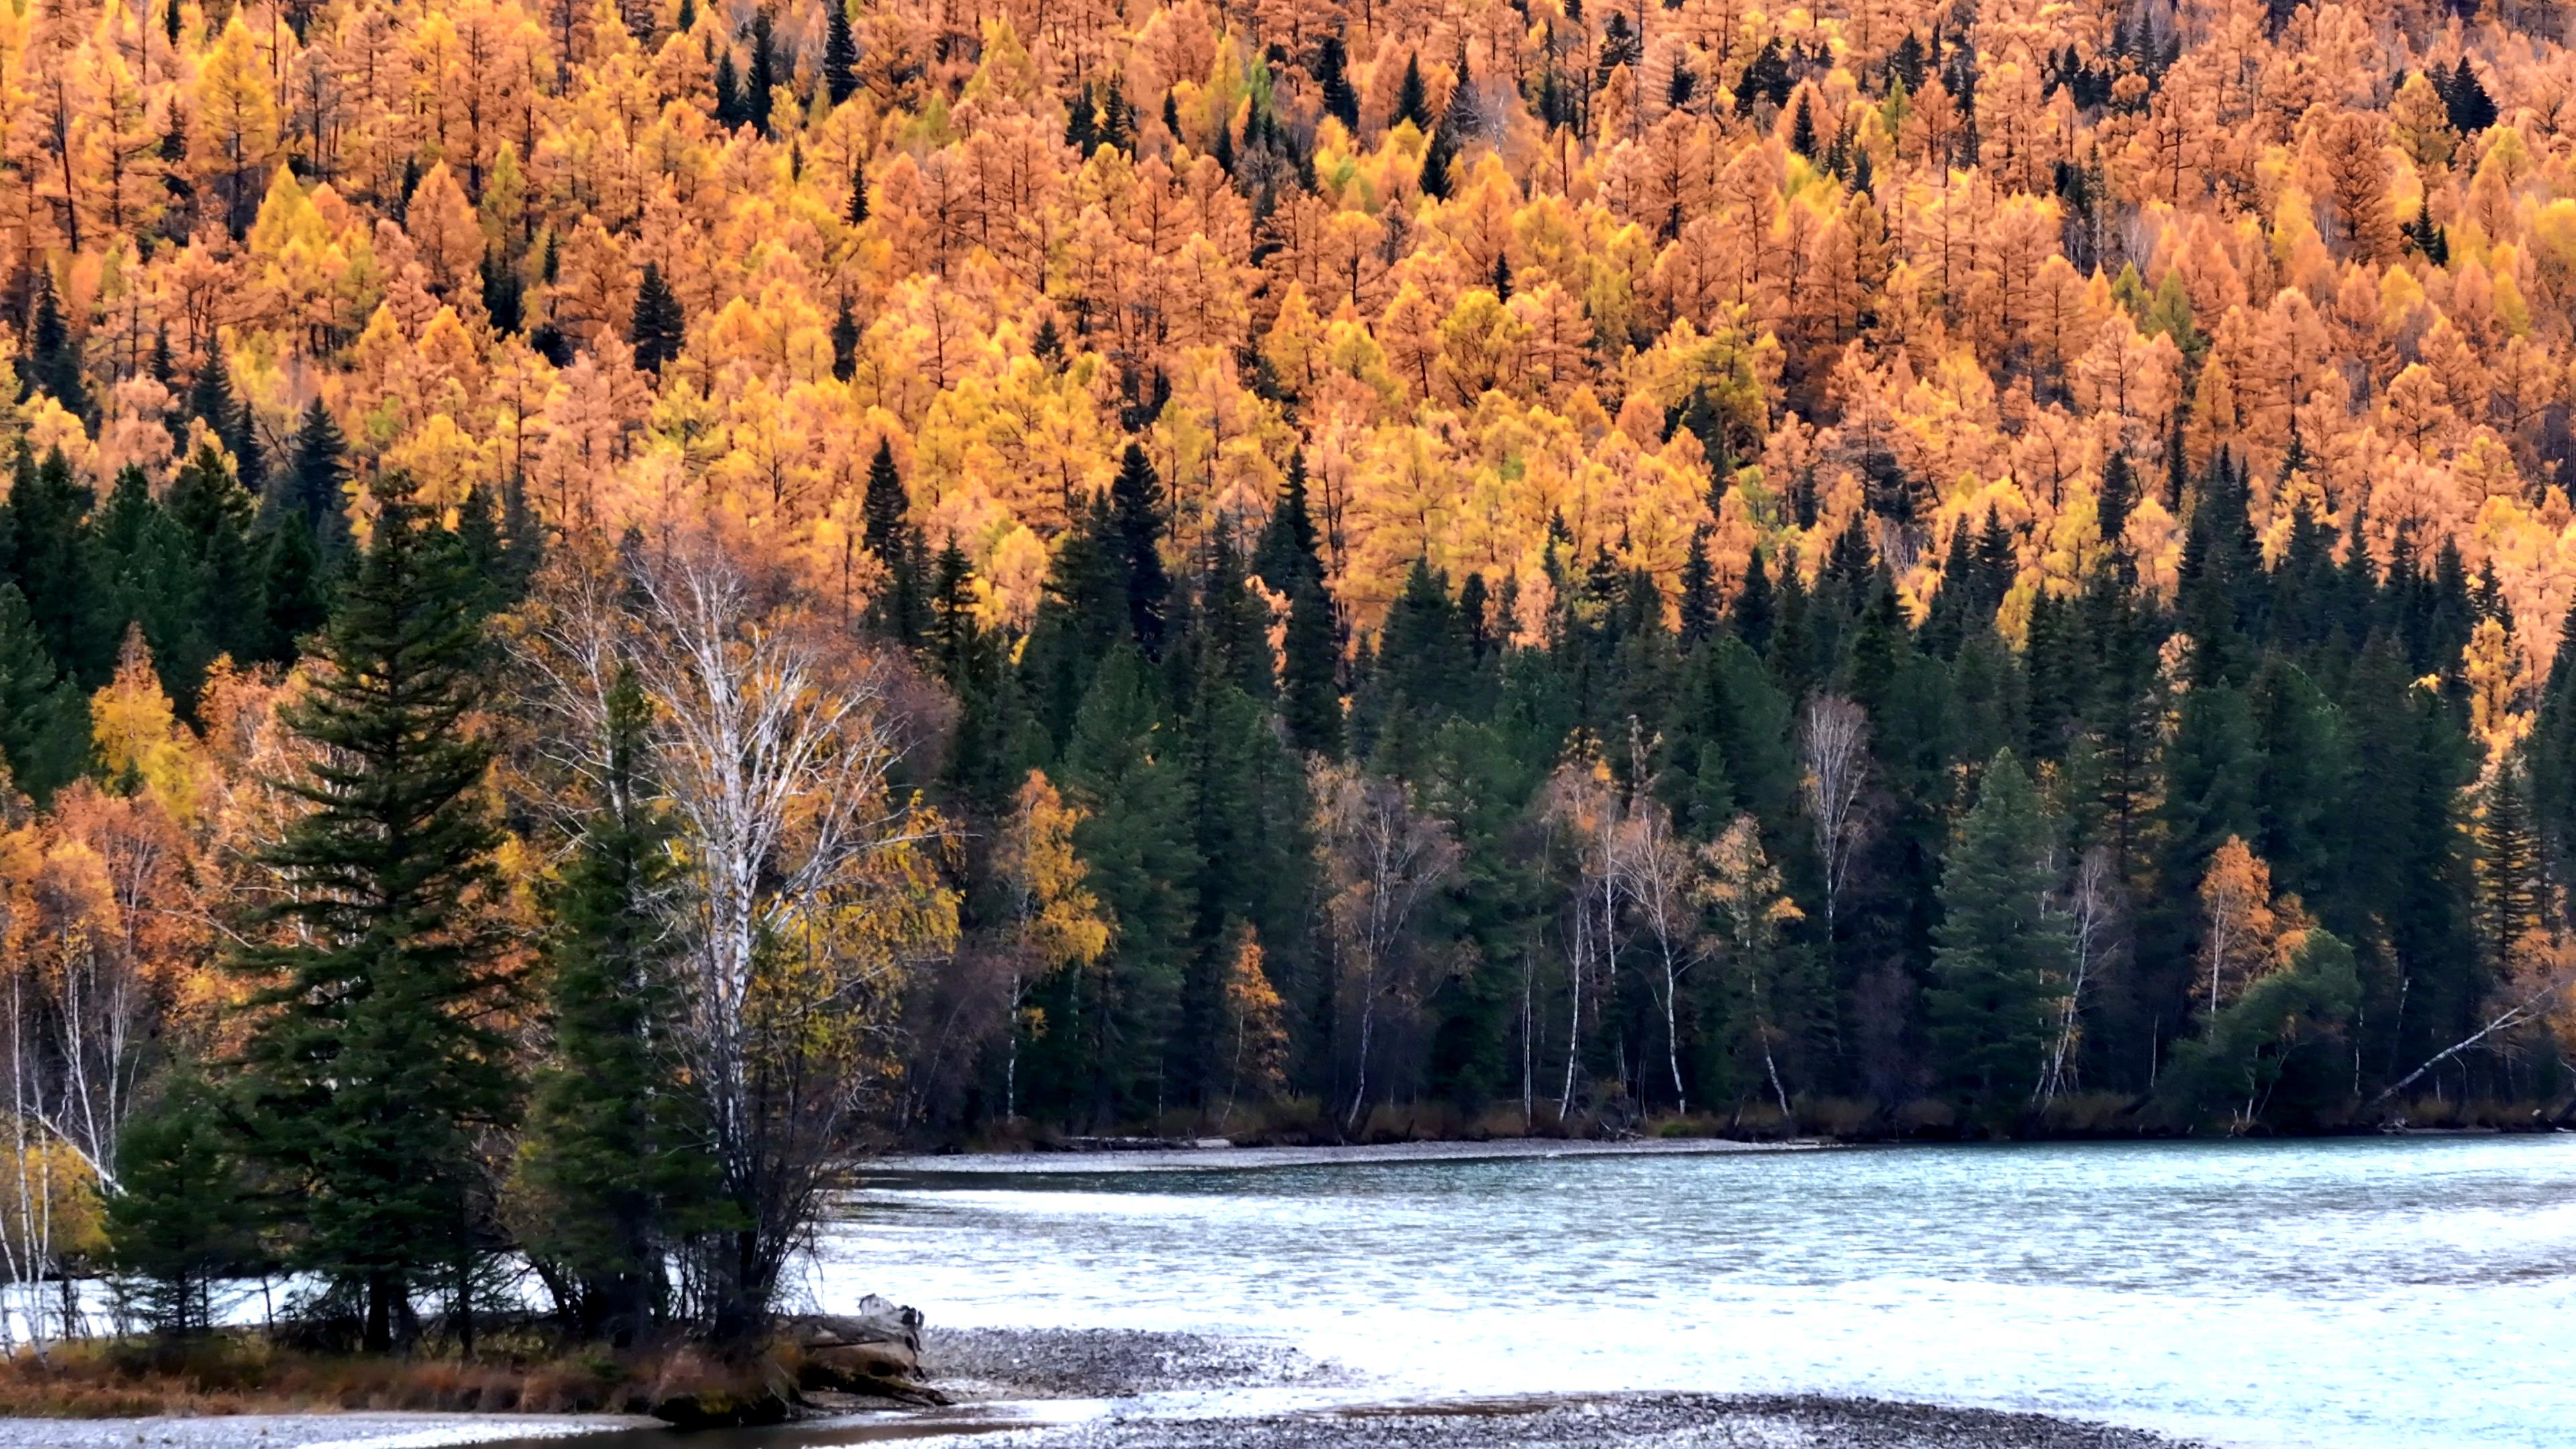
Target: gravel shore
column 1659, row 1421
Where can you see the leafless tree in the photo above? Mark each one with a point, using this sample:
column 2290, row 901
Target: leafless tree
column 2088, row 906
column 1384, row 857
column 1833, row 748
column 1658, row 873
column 1583, row 804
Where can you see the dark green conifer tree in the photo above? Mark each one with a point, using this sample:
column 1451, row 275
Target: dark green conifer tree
column 181, row 1220
column 2002, row 949
column 840, row 53
column 315, row 487
column 661, row 326
column 845, row 342
column 1136, row 534
column 54, row 560
column 1333, row 82
column 44, row 717
column 1412, row 103
column 372, row 1063
column 609, row 1166
column 53, row 354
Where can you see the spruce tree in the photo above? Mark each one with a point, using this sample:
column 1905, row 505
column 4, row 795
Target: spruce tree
column 53, row 354
column 314, row 489
column 840, row 53
column 294, row 594
column 53, row 558
column 901, row 605
column 660, row 326
column 44, row 717
column 1699, row 590
column 845, row 342
column 181, row 1219
column 1411, row 102
column 608, row 1166
column 372, row 1061
column 2002, row 950
column 1331, row 71
column 757, row 101
column 729, row 112
column 1136, row 521
column 211, row 398
column 152, row 578
column 1753, row 611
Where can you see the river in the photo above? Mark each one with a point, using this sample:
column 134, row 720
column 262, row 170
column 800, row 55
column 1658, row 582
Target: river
column 2349, row 1294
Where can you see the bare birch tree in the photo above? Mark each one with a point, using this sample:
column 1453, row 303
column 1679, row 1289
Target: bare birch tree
column 1582, row 803
column 1833, row 749
column 2088, row 907
column 1383, row 857
column 1659, row 875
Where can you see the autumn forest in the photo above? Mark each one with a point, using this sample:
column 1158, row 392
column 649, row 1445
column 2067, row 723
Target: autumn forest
column 609, row 601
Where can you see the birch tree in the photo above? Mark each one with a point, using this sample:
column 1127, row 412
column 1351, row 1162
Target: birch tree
column 1659, row 875
column 1833, row 749
column 808, row 885
column 1384, row 857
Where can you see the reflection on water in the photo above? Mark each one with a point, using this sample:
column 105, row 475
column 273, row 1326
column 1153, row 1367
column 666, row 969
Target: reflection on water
column 2364, row 1293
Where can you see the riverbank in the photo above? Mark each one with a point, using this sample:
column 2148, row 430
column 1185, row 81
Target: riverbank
column 1109, row 1389
column 1222, row 1156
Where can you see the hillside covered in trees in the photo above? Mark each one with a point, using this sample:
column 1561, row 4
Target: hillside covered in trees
column 605, row 600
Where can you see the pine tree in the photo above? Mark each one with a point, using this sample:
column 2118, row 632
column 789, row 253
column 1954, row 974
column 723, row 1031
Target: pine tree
column 53, row 355
column 1752, row 613
column 372, row 1061
column 44, row 717
column 294, row 594
column 608, row 1161
column 2002, row 950
column 211, row 398
column 1699, row 590
column 757, row 102
column 1333, row 83
column 180, row 1221
column 151, row 578
column 858, row 210
column 660, row 326
column 52, row 557
column 314, row 489
column 840, row 53
column 730, row 112
column 888, row 532
column 1136, row 522
column 1412, row 103
column 845, row 342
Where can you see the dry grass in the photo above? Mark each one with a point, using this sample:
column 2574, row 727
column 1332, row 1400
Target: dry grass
column 242, row 1373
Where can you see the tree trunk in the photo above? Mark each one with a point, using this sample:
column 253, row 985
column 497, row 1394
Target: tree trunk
column 379, row 1335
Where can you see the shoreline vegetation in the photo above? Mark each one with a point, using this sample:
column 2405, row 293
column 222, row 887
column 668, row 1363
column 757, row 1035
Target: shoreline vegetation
column 1092, row 1389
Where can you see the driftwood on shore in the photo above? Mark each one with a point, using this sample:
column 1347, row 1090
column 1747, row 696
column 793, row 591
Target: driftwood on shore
column 873, row 1350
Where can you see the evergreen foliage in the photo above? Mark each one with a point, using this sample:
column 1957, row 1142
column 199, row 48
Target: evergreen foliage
column 373, row 1062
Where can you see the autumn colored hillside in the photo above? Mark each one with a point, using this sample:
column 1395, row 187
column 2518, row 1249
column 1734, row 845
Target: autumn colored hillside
column 1636, row 270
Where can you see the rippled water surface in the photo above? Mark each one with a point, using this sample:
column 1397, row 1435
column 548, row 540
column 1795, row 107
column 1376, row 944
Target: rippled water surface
column 2370, row 1293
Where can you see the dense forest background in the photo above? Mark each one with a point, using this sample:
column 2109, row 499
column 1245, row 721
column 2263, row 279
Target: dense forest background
column 694, row 584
